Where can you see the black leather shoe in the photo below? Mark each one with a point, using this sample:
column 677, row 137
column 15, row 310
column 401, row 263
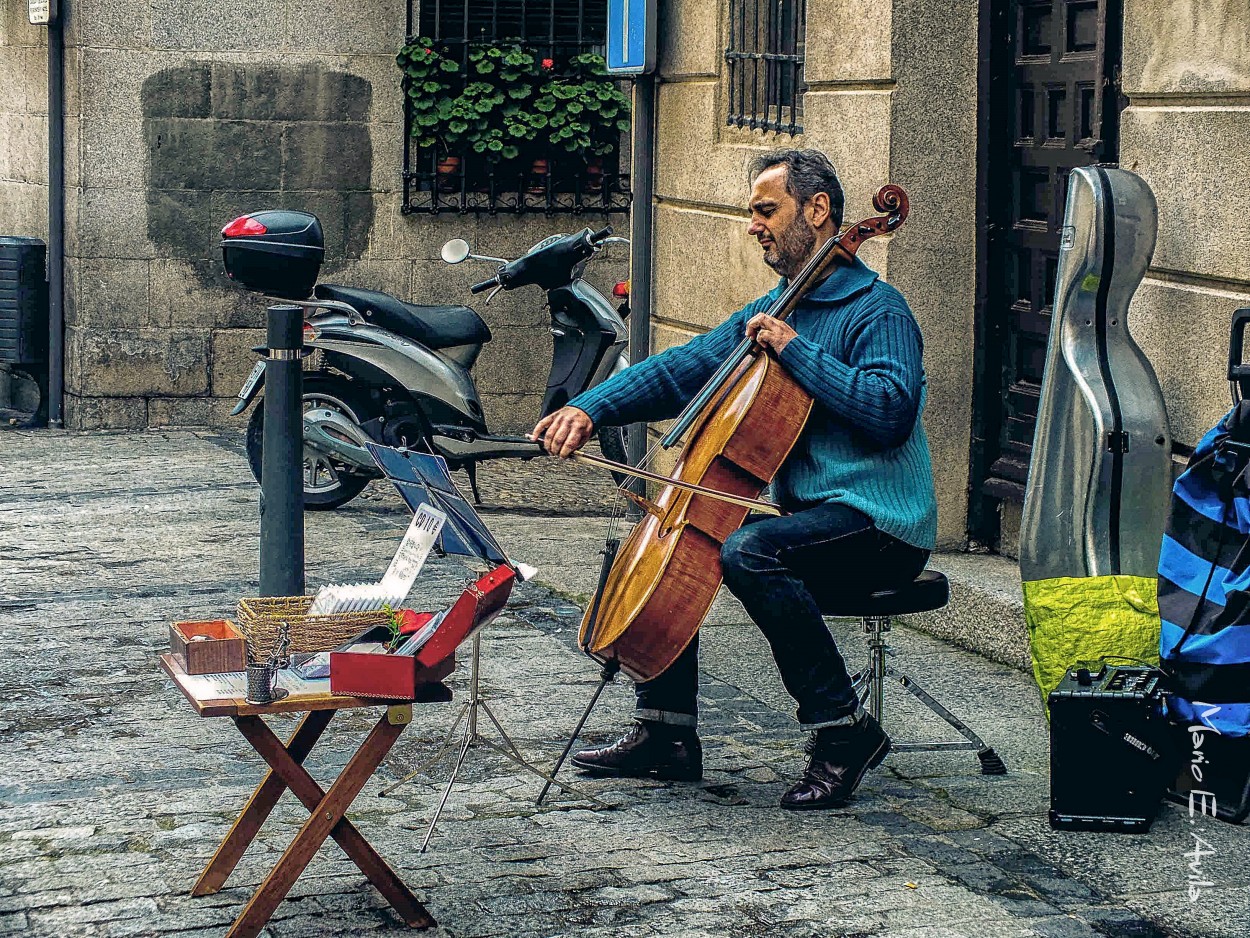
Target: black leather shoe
column 839, row 758
column 671, row 753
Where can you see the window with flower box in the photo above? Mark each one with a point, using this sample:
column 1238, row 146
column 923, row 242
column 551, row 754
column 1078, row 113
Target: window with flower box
column 508, row 108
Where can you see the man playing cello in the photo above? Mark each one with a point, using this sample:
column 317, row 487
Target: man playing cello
column 858, row 485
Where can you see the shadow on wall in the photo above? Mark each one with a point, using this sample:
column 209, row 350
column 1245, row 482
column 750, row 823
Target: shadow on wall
column 226, row 139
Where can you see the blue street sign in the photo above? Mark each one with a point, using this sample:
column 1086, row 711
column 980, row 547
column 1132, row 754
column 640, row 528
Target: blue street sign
column 631, row 37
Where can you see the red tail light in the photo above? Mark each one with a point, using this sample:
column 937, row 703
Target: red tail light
column 242, row 227
column 310, row 333
column 621, row 290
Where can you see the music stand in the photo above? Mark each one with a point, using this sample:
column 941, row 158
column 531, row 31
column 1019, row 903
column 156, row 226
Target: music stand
column 423, row 478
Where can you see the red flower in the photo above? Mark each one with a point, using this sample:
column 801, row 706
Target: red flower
column 429, row 51
column 549, row 63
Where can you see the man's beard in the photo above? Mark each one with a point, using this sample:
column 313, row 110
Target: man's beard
column 792, row 248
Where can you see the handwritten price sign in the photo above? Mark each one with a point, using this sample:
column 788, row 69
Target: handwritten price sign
column 42, row 12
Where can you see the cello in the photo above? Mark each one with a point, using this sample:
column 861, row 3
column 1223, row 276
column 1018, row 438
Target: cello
column 657, row 586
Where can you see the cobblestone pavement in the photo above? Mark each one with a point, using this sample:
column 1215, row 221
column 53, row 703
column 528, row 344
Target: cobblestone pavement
column 113, row 794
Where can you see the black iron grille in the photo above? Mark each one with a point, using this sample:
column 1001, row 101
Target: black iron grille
column 558, row 24
column 765, row 59
column 542, row 179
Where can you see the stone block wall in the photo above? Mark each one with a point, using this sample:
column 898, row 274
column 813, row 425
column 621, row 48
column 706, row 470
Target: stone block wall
column 932, row 259
column 1186, row 131
column 182, row 116
column 23, row 153
column 23, row 124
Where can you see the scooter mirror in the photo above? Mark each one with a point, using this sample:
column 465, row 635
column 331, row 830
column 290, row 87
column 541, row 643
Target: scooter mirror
column 455, row 251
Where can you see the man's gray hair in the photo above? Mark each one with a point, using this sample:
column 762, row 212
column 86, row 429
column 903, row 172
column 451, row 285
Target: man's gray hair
column 807, row 172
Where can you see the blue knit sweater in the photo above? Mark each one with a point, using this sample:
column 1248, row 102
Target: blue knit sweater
column 858, row 354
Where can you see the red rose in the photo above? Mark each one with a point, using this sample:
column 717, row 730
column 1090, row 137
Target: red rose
column 549, row 63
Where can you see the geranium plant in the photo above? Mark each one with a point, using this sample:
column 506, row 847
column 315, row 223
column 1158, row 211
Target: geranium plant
column 586, row 112
column 437, row 121
column 500, row 84
column 506, row 103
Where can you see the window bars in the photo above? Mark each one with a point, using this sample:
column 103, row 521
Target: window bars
column 765, row 64
column 548, row 180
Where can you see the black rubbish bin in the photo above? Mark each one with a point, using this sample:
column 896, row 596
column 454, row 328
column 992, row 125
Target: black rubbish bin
column 24, row 313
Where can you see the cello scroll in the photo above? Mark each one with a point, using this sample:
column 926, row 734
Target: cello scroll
column 891, row 201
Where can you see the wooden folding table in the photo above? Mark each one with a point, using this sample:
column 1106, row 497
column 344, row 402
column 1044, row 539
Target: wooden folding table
column 327, row 809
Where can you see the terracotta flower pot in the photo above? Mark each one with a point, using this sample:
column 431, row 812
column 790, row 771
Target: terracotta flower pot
column 538, row 176
column 448, row 167
column 594, row 174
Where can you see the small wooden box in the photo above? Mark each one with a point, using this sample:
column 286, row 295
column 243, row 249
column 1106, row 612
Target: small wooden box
column 220, row 649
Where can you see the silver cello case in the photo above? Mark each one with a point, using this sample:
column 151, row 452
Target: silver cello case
column 1100, row 475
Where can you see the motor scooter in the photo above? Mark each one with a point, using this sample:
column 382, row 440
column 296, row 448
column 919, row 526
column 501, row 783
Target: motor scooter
column 380, row 370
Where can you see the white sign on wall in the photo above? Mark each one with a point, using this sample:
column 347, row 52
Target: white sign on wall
column 41, row 12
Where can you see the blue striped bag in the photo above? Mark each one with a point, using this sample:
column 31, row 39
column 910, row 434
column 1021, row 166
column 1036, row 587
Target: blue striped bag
column 1204, row 582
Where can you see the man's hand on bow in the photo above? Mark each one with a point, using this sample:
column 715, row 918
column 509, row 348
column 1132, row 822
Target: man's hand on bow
column 564, row 432
column 770, row 332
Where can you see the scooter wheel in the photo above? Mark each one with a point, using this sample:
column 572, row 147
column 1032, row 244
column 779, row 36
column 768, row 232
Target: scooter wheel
column 327, row 484
column 613, row 444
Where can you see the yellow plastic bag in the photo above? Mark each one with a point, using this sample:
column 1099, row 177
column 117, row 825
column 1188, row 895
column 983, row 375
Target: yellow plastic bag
column 1072, row 619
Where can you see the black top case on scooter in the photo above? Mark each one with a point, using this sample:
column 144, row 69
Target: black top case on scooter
column 274, row 252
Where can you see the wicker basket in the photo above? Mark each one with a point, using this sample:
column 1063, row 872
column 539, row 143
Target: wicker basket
column 258, row 620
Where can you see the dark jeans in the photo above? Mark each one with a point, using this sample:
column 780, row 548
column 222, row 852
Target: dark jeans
column 780, row 569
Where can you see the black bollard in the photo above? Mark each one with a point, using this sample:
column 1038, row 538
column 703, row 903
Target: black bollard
column 282, row 458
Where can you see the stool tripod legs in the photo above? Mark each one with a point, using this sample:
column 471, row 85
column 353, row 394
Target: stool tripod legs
column 869, row 685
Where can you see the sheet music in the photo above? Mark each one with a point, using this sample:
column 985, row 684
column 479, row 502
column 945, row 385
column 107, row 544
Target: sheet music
column 418, row 541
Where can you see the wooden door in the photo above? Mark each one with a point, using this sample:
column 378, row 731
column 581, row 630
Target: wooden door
column 1051, row 103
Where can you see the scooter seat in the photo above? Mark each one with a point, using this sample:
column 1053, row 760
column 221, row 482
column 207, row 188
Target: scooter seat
column 433, row 326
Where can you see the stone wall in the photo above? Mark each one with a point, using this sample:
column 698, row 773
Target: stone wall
column 184, row 115
column 932, row 259
column 23, row 152
column 23, row 124
column 886, row 105
column 1187, row 132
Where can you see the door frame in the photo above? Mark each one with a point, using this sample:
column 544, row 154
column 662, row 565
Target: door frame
column 987, row 357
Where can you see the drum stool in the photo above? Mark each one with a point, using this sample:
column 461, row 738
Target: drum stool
column 928, row 591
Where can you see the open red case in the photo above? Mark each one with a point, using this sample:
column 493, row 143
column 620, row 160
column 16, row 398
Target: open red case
column 398, row 676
